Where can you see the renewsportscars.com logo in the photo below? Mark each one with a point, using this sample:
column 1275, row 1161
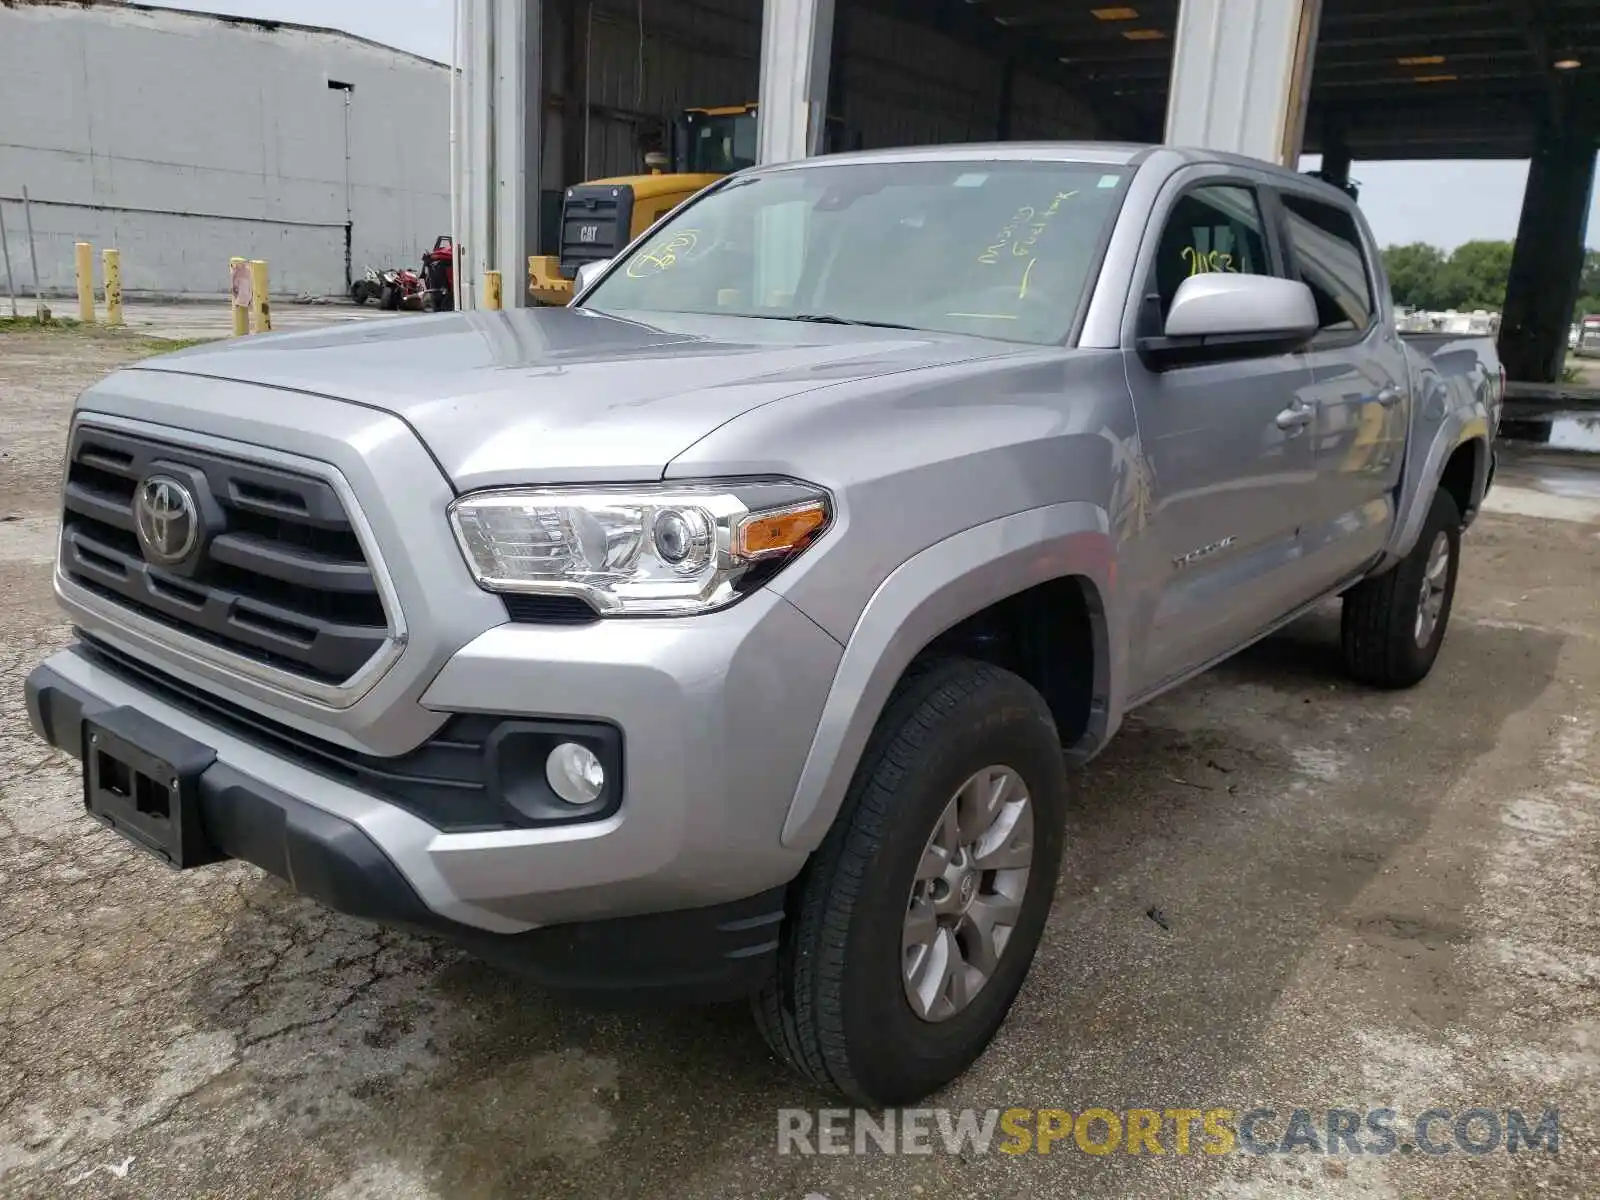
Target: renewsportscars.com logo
column 1215, row 1131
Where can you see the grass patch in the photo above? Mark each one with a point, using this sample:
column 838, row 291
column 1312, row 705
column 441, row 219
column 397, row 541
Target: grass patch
column 159, row 345
column 50, row 324
column 140, row 341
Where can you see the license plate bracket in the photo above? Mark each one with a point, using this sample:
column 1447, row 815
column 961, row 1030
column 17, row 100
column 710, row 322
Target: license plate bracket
column 142, row 779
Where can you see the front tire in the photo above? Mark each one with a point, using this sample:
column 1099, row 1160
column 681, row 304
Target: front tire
column 1393, row 624
column 915, row 922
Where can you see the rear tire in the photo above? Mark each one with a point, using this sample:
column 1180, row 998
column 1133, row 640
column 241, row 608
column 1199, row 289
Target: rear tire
column 1393, row 624
column 839, row 1009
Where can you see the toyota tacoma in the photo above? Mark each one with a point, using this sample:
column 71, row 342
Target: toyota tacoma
column 729, row 633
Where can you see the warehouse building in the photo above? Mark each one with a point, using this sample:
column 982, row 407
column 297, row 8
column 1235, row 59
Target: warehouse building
column 184, row 138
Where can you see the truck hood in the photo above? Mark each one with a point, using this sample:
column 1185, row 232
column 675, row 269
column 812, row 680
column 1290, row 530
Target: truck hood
column 559, row 395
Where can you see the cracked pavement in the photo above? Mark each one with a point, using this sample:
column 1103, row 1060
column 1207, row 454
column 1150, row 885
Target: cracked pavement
column 1367, row 899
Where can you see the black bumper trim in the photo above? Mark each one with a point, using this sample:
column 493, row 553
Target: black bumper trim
column 716, row 953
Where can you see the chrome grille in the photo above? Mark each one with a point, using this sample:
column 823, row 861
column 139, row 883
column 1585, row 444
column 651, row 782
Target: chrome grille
column 278, row 574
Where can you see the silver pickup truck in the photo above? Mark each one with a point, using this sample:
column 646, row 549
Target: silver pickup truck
column 721, row 634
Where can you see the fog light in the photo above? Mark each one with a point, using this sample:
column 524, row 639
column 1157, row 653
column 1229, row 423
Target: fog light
column 575, row 774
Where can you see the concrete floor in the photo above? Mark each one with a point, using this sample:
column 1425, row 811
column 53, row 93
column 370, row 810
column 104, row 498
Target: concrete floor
column 189, row 320
column 1364, row 900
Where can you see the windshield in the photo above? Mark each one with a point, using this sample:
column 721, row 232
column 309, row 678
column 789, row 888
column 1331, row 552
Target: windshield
column 998, row 249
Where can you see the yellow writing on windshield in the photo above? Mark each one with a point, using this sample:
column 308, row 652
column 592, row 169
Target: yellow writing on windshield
column 1202, row 262
column 1020, row 234
column 1022, row 288
column 652, row 260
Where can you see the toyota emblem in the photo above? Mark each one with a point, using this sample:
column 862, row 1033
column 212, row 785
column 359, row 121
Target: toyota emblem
column 167, row 519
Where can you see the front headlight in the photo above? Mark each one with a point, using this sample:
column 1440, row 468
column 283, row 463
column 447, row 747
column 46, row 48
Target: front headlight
column 660, row 549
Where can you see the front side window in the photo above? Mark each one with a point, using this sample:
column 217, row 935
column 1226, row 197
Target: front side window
column 1214, row 228
column 1327, row 251
column 996, row 249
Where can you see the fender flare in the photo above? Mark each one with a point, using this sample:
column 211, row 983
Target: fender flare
column 1456, row 430
column 929, row 593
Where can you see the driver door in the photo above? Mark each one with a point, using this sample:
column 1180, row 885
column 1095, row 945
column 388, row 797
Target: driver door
column 1230, row 475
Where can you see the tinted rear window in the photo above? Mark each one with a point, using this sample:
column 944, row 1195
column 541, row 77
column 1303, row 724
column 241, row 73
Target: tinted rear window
column 1327, row 249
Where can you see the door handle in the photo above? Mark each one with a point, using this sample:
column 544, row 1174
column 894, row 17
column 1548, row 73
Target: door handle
column 1295, row 418
column 1389, row 395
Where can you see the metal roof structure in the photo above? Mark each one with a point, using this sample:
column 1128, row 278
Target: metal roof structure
column 1410, row 79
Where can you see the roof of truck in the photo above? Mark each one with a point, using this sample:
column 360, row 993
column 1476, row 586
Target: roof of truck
column 1111, row 154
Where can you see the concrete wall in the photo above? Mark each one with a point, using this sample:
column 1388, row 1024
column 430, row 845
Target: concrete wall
column 183, row 139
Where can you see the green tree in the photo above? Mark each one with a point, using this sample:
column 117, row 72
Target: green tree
column 1589, row 286
column 1414, row 272
column 1475, row 276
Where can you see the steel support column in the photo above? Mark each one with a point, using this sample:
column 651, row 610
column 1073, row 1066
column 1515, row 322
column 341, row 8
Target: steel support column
column 796, row 45
column 1007, row 100
column 500, row 43
column 1547, row 264
column 1241, row 70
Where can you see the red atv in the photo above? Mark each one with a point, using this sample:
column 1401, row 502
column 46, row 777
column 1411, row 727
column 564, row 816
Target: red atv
column 399, row 288
column 439, row 275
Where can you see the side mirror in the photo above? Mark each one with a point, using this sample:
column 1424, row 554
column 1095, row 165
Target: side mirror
column 1219, row 316
column 587, row 274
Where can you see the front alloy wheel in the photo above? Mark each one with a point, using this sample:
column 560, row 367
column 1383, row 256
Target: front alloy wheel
column 968, row 893
column 915, row 922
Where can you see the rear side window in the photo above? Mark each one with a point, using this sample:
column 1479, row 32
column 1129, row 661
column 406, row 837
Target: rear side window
column 1211, row 228
column 1327, row 252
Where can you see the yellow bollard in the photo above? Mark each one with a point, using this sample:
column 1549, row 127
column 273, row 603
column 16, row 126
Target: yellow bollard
column 241, row 313
column 111, row 269
column 491, row 289
column 260, row 307
column 85, row 271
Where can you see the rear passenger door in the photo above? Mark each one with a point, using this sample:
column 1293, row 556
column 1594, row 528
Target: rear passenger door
column 1359, row 389
column 1215, row 562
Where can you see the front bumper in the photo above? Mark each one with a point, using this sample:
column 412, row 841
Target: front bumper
column 704, row 953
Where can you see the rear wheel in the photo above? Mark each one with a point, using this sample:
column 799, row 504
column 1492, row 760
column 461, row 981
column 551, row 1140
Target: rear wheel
column 1393, row 624
column 914, row 925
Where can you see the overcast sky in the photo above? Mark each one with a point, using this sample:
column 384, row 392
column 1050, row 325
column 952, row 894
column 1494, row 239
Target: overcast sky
column 1445, row 203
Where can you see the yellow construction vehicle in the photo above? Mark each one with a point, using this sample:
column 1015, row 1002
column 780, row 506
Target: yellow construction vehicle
column 602, row 216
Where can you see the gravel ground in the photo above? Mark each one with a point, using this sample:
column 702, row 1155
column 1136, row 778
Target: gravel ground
column 1359, row 900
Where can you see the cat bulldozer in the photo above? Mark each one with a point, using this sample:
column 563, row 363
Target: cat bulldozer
column 602, row 216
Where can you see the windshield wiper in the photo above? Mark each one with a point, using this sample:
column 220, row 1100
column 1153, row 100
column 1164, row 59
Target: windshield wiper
column 831, row 319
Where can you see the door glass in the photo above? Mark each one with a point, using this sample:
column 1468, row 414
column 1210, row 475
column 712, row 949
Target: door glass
column 1216, row 228
column 1327, row 251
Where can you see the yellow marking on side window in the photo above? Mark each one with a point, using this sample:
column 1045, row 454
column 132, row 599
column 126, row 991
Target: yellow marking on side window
column 985, row 316
column 1022, row 292
column 1202, row 262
